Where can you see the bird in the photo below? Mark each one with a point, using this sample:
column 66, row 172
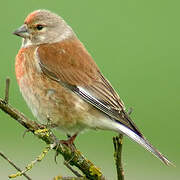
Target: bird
column 62, row 84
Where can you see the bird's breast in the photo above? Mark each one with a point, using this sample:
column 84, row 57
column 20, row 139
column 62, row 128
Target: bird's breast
column 47, row 99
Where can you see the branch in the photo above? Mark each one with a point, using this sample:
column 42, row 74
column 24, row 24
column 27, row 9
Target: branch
column 118, row 141
column 70, row 168
column 73, row 157
column 10, row 162
column 6, row 98
column 69, row 178
column 118, row 156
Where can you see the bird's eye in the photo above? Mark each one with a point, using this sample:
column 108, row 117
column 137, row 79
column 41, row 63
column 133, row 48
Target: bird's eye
column 39, row 27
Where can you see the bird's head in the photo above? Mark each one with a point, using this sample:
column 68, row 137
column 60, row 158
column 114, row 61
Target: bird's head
column 43, row 26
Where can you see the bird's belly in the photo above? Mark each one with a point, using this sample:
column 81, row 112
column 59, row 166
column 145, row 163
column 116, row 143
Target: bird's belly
column 49, row 101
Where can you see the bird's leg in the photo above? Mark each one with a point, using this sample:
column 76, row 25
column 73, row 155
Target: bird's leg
column 69, row 143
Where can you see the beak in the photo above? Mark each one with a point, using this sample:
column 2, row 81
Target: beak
column 22, row 31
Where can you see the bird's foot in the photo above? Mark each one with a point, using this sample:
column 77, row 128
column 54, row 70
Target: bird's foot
column 69, row 143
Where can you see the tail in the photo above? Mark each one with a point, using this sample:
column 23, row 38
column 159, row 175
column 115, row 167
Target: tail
column 140, row 140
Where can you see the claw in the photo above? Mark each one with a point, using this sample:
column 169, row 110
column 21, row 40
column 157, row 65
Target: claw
column 69, row 143
column 26, row 131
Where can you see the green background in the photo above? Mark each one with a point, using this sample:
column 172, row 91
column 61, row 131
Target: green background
column 136, row 45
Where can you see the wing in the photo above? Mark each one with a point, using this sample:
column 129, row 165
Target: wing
column 69, row 64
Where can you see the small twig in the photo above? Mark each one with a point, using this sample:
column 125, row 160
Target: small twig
column 117, row 141
column 10, row 162
column 30, row 165
column 71, row 169
column 6, row 98
column 69, row 178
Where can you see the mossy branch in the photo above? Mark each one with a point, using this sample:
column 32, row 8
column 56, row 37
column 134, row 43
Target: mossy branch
column 118, row 141
column 69, row 178
column 17, row 168
column 72, row 157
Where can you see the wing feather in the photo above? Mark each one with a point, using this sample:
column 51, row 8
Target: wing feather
column 69, row 64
